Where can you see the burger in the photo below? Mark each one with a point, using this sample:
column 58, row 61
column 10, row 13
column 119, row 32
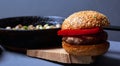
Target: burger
column 83, row 35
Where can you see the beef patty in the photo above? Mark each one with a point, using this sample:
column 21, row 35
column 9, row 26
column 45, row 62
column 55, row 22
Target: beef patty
column 87, row 39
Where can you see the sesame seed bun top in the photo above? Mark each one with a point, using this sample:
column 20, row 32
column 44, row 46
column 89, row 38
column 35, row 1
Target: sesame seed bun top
column 85, row 19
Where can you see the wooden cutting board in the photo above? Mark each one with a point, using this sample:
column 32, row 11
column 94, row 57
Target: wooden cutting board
column 59, row 55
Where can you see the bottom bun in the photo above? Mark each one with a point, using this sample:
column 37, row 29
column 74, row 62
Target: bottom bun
column 86, row 50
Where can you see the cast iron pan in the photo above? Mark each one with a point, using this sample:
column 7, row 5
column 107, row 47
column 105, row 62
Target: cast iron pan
column 30, row 39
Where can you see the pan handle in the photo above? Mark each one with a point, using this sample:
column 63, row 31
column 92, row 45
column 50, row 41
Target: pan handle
column 112, row 27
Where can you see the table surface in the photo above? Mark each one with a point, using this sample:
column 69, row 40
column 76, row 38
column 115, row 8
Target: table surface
column 8, row 58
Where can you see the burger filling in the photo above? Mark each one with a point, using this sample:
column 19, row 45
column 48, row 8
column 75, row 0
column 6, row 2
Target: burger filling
column 86, row 39
column 83, row 36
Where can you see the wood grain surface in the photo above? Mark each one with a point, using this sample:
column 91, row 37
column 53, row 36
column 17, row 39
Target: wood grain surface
column 59, row 55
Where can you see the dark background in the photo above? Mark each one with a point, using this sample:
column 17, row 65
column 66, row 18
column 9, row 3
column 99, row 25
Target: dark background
column 63, row 8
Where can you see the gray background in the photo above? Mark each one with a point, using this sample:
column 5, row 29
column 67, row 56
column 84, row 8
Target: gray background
column 12, row 8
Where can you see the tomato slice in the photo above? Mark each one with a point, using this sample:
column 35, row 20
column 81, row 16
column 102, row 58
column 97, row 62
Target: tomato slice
column 69, row 32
